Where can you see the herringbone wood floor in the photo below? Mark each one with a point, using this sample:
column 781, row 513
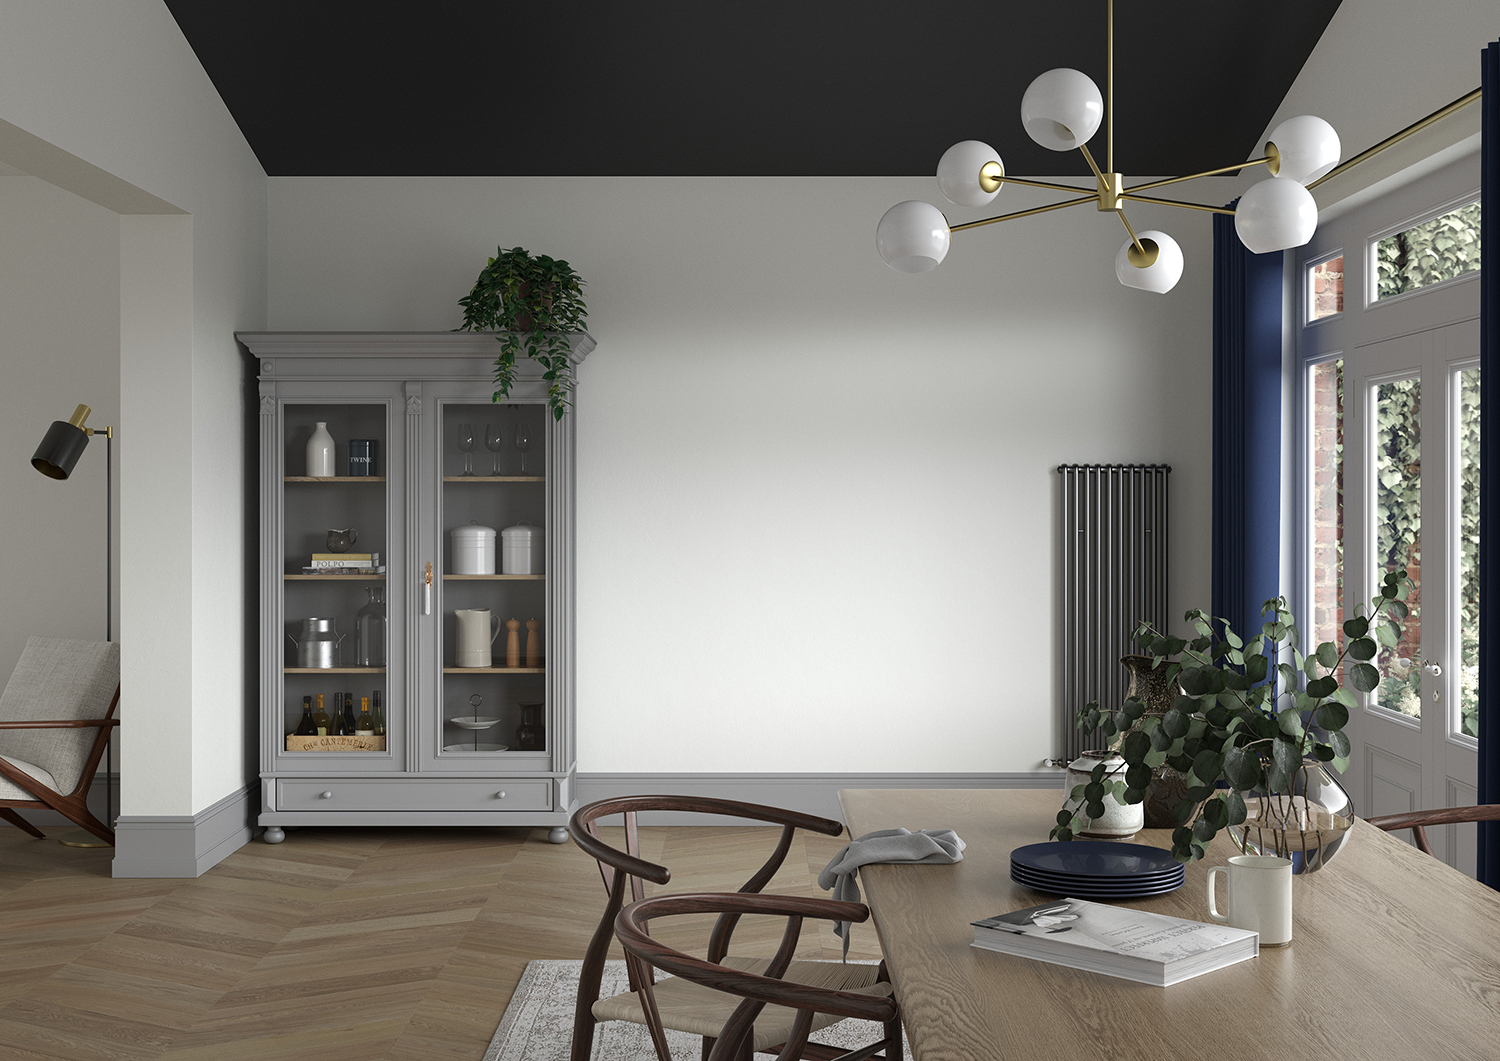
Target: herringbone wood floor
column 364, row 944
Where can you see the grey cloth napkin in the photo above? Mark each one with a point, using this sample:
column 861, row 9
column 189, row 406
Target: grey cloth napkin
column 925, row 847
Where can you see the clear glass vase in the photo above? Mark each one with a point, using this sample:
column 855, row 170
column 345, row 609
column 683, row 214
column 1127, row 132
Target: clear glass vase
column 370, row 630
column 1307, row 826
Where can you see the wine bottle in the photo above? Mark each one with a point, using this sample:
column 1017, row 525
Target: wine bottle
column 306, row 727
column 364, row 725
column 320, row 718
column 378, row 715
column 348, row 720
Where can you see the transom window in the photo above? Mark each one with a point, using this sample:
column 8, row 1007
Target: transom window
column 1442, row 248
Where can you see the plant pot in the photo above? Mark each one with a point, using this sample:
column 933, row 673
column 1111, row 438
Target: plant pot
column 1121, row 821
column 1308, row 827
column 1168, row 787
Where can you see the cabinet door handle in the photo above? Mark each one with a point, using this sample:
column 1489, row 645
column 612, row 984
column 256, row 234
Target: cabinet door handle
column 325, row 795
column 427, row 591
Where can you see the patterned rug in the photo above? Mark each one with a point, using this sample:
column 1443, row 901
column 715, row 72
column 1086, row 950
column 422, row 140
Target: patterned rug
column 538, row 1023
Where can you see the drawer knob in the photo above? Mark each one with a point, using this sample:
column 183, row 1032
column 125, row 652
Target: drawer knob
column 325, row 795
column 500, row 794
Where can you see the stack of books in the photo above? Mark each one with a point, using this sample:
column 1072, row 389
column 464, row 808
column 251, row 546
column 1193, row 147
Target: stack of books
column 1116, row 941
column 345, row 564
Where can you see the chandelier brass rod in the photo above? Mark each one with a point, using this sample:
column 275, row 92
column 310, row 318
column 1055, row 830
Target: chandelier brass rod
column 1042, row 184
column 1024, row 213
column 1195, row 176
column 1391, row 141
column 1092, row 164
column 1109, row 88
column 1176, row 202
column 1133, row 237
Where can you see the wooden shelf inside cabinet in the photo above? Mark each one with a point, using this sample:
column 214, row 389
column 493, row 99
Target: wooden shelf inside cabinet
column 334, row 670
column 336, row 578
column 494, row 478
column 494, row 670
column 334, row 479
column 495, row 578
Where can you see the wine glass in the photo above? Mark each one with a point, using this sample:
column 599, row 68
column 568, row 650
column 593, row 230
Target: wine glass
column 493, row 440
column 523, row 442
column 466, row 446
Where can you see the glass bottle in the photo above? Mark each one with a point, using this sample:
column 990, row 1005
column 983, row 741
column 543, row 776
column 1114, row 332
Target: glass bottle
column 378, row 715
column 348, row 722
column 306, row 727
column 321, row 719
column 364, row 725
column 370, row 629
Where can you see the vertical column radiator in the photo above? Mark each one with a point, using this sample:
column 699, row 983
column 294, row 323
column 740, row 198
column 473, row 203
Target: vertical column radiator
column 1114, row 576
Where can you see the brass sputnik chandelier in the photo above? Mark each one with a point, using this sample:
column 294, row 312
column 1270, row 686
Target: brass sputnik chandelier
column 1062, row 110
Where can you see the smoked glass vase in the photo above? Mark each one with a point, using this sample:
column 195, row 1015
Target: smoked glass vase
column 1309, row 826
column 370, row 630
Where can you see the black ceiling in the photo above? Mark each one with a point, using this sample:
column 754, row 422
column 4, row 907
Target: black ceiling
column 697, row 88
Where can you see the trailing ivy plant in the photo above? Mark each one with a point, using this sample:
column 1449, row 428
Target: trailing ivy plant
column 540, row 298
column 1251, row 713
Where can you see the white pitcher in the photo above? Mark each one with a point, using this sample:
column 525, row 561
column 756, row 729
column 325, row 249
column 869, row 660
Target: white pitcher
column 477, row 631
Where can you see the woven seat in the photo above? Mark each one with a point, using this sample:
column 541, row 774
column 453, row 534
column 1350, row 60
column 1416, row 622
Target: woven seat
column 700, row 1010
column 56, row 715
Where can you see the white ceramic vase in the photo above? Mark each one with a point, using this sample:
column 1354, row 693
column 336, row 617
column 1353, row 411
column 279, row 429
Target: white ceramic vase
column 320, row 452
column 1121, row 821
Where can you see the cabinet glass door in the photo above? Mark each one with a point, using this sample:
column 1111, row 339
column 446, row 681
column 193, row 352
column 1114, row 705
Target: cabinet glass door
column 341, row 636
column 489, row 617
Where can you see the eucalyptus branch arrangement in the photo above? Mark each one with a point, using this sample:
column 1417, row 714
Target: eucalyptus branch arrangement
column 540, row 298
column 1252, row 714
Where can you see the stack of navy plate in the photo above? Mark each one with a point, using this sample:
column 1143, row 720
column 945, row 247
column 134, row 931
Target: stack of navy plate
column 1096, row 869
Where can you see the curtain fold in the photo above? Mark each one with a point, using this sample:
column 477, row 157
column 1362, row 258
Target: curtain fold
column 1247, row 429
column 1489, row 467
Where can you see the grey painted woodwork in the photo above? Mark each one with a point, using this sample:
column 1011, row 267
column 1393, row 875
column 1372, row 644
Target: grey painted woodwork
column 410, row 390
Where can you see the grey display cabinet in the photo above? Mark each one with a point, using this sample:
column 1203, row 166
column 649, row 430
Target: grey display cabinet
column 408, row 392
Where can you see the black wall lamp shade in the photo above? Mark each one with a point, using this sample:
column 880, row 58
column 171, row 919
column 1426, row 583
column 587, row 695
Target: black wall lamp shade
column 62, row 445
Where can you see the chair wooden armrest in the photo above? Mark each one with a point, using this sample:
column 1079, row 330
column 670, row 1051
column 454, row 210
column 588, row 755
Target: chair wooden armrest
column 757, row 990
column 1417, row 820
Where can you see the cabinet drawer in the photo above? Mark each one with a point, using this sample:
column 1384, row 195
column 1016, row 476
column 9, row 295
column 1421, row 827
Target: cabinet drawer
column 398, row 794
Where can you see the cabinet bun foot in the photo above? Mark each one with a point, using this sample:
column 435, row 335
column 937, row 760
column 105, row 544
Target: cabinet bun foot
column 558, row 834
column 274, row 834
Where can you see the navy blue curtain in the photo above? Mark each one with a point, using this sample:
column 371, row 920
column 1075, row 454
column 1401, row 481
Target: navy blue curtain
column 1489, row 468
column 1247, row 428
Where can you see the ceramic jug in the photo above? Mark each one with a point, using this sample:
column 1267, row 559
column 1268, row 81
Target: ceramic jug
column 339, row 540
column 477, row 631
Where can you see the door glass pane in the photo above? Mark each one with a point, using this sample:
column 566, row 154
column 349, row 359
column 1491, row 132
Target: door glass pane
column 1326, row 383
column 1441, row 249
column 1468, row 551
column 1398, row 534
column 1325, row 288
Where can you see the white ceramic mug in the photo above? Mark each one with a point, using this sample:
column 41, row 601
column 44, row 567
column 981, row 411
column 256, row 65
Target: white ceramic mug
column 477, row 631
column 1260, row 897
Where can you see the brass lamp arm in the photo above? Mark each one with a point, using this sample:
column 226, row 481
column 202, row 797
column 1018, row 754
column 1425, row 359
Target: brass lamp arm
column 1174, row 202
column 1024, row 213
column 1206, row 173
column 1030, row 183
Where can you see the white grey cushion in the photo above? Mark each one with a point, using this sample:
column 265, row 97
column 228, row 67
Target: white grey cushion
column 10, row 790
column 58, row 678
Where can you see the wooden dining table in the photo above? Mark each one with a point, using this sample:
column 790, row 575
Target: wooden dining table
column 1394, row 954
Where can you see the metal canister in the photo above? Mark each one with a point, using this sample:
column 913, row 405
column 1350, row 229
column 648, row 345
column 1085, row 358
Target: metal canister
column 319, row 644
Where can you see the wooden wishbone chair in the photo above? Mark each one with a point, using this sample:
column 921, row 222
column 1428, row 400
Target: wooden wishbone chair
column 774, row 1012
column 626, row 871
column 1418, row 820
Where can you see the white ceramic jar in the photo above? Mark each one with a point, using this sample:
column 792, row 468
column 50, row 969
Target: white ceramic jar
column 474, row 550
column 1121, row 821
column 521, row 550
column 320, row 452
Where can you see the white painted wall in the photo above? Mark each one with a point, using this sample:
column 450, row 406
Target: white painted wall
column 817, row 498
column 106, row 98
column 60, row 345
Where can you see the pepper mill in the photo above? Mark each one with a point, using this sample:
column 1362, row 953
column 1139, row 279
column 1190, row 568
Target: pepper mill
column 533, row 644
column 513, row 643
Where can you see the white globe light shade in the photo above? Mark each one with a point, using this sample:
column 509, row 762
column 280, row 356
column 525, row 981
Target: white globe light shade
column 1309, row 147
column 1062, row 109
column 958, row 172
column 1161, row 275
column 1275, row 214
column 912, row 237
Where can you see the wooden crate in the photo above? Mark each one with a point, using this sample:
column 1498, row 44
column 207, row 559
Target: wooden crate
column 295, row 743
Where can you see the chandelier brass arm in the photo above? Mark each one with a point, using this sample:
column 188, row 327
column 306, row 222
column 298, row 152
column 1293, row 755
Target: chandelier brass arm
column 1392, row 141
column 1023, row 213
column 1267, row 160
column 1176, row 202
column 1030, row 183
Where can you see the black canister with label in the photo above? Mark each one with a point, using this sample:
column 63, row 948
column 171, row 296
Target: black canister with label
column 362, row 455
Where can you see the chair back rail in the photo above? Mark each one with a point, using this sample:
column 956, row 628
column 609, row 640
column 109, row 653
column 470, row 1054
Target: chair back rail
column 1418, row 820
